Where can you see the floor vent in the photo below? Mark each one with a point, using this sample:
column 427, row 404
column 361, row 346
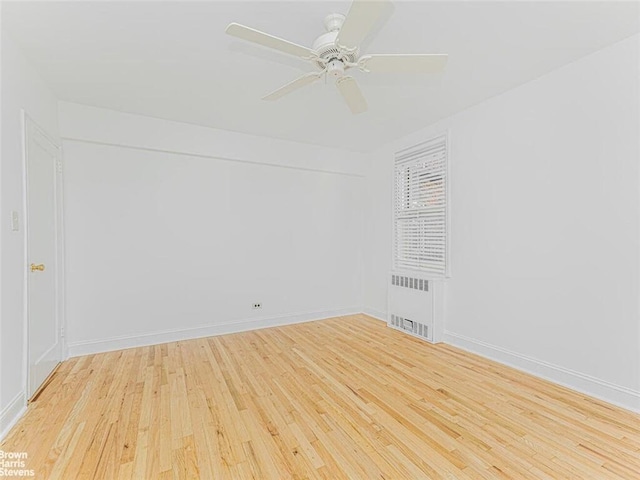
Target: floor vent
column 410, row 326
column 410, row 282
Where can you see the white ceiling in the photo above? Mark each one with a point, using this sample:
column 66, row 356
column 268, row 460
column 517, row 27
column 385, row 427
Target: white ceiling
column 173, row 60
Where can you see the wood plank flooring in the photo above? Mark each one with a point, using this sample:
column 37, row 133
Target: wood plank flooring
column 339, row 398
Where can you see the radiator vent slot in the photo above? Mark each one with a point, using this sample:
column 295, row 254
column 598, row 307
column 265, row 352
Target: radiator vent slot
column 410, row 282
column 410, row 326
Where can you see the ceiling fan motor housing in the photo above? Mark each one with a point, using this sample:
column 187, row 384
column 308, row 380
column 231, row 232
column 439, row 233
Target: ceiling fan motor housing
column 326, row 47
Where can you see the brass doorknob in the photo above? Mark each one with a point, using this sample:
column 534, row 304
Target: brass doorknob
column 39, row 268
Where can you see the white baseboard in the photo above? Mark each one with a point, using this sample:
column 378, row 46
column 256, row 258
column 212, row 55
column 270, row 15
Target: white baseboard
column 616, row 394
column 77, row 349
column 10, row 414
column 377, row 314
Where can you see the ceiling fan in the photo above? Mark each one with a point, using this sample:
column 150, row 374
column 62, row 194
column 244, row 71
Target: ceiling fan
column 337, row 51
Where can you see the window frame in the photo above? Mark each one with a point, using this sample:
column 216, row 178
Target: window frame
column 444, row 137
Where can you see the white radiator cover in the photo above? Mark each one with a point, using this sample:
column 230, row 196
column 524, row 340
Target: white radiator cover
column 415, row 305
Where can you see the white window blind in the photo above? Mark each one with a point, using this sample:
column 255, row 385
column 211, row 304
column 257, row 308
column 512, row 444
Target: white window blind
column 420, row 207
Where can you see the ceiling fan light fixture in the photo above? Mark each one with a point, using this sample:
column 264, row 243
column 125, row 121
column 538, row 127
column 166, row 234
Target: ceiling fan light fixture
column 335, row 68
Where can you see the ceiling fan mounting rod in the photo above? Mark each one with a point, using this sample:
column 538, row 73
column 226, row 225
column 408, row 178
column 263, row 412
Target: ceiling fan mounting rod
column 333, row 22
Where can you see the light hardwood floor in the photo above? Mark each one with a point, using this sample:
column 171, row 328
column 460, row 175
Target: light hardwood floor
column 339, row 398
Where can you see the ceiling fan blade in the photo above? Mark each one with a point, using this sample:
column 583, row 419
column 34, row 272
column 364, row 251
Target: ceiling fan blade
column 295, row 85
column 360, row 20
column 352, row 94
column 409, row 63
column 261, row 38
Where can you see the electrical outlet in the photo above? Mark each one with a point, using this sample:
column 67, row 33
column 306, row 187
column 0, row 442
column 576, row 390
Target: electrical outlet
column 256, row 306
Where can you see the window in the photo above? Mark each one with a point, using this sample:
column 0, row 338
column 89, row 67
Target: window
column 420, row 207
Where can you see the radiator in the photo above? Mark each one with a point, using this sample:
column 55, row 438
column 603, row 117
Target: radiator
column 416, row 305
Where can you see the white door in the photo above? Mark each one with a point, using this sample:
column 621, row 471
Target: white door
column 44, row 344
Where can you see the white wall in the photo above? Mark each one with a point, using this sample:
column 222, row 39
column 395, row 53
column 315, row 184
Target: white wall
column 545, row 225
column 543, row 176
column 21, row 88
column 174, row 231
